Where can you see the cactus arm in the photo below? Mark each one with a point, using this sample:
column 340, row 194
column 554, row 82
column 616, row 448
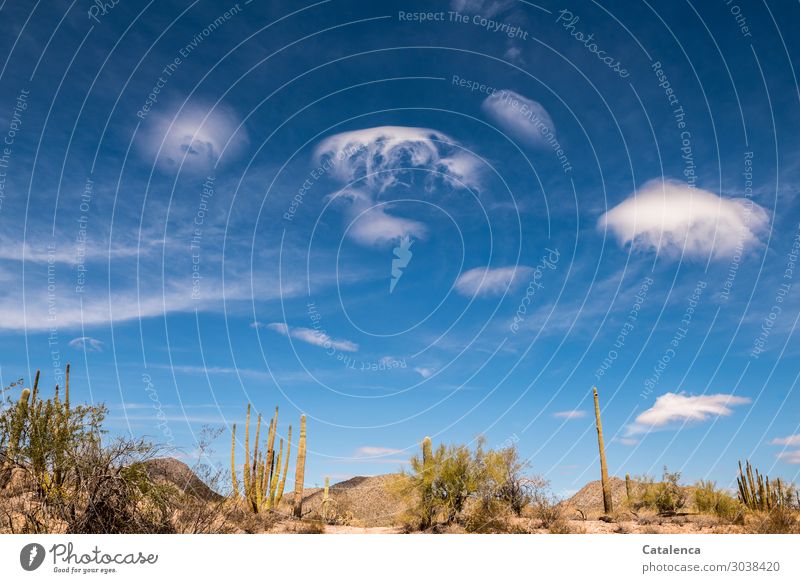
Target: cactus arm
column 282, row 484
column 246, row 470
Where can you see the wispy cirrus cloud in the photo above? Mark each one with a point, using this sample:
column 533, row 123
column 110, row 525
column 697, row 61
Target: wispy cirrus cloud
column 668, row 216
column 790, row 457
column 788, row 440
column 375, row 451
column 488, row 281
column 573, row 414
column 313, row 337
column 672, row 408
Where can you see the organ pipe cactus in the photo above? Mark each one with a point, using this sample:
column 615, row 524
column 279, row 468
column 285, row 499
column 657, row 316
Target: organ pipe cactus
column 282, row 484
column 608, row 504
column 757, row 492
column 263, row 480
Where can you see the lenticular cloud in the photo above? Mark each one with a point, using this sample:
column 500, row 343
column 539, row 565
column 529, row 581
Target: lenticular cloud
column 669, row 216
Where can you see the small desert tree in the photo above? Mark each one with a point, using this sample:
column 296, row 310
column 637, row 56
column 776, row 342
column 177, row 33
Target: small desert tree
column 442, row 483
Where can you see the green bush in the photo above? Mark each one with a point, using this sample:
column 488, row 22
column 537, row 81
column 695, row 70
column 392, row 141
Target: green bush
column 709, row 499
column 478, row 488
column 666, row 497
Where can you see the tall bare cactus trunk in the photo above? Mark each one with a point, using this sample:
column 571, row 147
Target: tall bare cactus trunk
column 608, row 504
column 299, row 473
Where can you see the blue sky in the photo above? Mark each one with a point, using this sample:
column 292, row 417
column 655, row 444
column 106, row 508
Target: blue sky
column 201, row 204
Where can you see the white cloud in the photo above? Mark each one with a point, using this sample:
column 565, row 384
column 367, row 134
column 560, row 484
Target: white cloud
column 486, row 281
column 195, row 139
column 375, row 226
column 381, row 155
column 313, row 337
column 574, row 414
column 424, row 372
column 523, row 118
column 87, row 343
column 626, row 440
column 790, row 457
column 379, row 158
column 670, row 408
column 790, row 440
column 372, row 451
column 514, row 54
column 669, row 216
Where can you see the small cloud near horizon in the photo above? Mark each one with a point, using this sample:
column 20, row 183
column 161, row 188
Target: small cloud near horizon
column 87, row 343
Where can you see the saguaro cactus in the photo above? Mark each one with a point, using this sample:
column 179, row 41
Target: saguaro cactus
column 608, row 504
column 299, row 472
column 628, row 488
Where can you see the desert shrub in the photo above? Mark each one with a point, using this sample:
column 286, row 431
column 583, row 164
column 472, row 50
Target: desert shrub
column 76, row 483
column 709, row 499
column 779, row 520
column 204, row 512
column 666, row 497
column 475, row 488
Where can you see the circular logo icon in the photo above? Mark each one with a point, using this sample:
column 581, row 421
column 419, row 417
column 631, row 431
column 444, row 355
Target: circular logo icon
column 31, row 556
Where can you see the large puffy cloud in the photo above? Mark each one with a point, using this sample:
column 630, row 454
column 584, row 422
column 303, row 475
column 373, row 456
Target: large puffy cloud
column 370, row 161
column 672, row 408
column 670, row 217
column 525, row 119
column 487, row 281
column 383, row 155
